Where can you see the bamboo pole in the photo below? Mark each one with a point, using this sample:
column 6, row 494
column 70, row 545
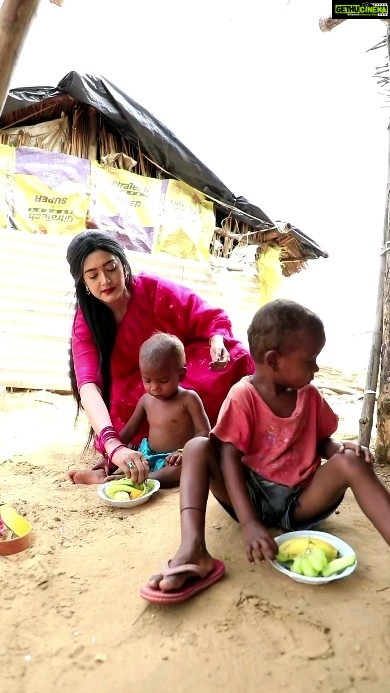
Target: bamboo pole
column 15, row 19
column 378, row 335
column 368, row 406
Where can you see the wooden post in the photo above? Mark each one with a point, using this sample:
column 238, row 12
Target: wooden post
column 15, row 19
column 382, row 448
column 369, row 398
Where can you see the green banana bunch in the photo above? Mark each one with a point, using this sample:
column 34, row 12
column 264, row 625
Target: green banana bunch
column 127, row 486
column 310, row 563
column 112, row 492
column 291, row 548
column 314, row 563
column 338, row 565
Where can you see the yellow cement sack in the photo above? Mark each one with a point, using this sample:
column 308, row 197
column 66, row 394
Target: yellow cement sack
column 187, row 222
column 126, row 204
column 270, row 274
column 51, row 192
column 7, row 175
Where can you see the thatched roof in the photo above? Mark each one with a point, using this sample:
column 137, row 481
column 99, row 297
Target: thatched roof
column 103, row 120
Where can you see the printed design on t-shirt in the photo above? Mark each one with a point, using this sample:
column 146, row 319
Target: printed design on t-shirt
column 277, row 455
column 276, row 436
column 271, row 436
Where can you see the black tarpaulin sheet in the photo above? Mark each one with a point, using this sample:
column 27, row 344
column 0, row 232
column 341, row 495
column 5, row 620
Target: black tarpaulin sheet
column 139, row 126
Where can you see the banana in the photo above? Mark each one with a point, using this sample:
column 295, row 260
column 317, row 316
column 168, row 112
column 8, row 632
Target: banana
column 317, row 559
column 131, row 492
column 125, row 481
column 295, row 547
column 112, row 490
column 307, row 568
column 120, row 496
column 143, row 488
column 338, row 565
column 282, row 557
column 297, row 565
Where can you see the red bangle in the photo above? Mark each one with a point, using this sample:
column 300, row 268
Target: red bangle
column 112, row 453
column 106, row 434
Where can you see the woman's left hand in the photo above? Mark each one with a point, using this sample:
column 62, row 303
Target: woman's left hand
column 131, row 463
column 359, row 450
column 219, row 354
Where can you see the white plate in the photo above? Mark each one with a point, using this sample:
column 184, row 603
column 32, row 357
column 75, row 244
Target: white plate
column 130, row 503
column 343, row 548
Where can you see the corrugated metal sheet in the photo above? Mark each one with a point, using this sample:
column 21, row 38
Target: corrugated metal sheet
column 37, row 304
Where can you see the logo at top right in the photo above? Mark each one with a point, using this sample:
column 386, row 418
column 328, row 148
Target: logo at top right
column 362, row 10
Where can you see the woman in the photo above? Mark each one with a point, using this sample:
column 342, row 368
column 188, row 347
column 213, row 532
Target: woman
column 115, row 313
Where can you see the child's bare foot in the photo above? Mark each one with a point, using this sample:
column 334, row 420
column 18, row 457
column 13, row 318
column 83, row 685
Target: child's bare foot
column 87, row 476
column 175, row 582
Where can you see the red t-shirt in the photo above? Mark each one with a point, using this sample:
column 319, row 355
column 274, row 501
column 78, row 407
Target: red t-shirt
column 282, row 450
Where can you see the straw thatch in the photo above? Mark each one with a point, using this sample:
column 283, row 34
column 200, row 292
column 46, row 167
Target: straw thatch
column 86, row 133
column 382, row 74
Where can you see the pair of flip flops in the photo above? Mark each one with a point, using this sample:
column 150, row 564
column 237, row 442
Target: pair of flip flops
column 197, row 580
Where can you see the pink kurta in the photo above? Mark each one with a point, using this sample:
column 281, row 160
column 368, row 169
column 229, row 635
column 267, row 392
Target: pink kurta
column 159, row 305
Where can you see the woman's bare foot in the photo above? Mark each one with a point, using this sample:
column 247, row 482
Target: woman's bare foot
column 174, row 582
column 87, row 476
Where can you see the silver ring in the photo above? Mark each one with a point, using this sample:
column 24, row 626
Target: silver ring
column 131, row 465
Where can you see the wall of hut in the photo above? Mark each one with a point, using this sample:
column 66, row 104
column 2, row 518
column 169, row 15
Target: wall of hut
column 38, row 303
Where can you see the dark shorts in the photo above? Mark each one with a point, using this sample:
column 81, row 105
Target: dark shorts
column 275, row 504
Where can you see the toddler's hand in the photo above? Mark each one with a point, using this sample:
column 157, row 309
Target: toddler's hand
column 101, row 464
column 174, row 460
column 359, row 450
column 259, row 545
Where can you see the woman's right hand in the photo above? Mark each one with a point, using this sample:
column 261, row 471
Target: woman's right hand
column 133, row 465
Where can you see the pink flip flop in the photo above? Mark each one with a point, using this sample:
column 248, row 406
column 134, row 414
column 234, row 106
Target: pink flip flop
column 198, row 581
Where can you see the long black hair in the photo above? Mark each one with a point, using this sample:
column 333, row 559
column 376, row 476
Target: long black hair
column 99, row 318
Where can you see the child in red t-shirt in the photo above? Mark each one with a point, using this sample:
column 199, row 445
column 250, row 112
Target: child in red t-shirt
column 263, row 458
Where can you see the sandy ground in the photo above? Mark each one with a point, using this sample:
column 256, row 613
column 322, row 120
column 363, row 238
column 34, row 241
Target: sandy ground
column 72, row 618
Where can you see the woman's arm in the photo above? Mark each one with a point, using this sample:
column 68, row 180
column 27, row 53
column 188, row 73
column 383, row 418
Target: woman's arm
column 193, row 317
column 99, row 418
column 94, row 407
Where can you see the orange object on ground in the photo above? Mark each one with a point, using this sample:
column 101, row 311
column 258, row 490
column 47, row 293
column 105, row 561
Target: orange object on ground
column 20, row 528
